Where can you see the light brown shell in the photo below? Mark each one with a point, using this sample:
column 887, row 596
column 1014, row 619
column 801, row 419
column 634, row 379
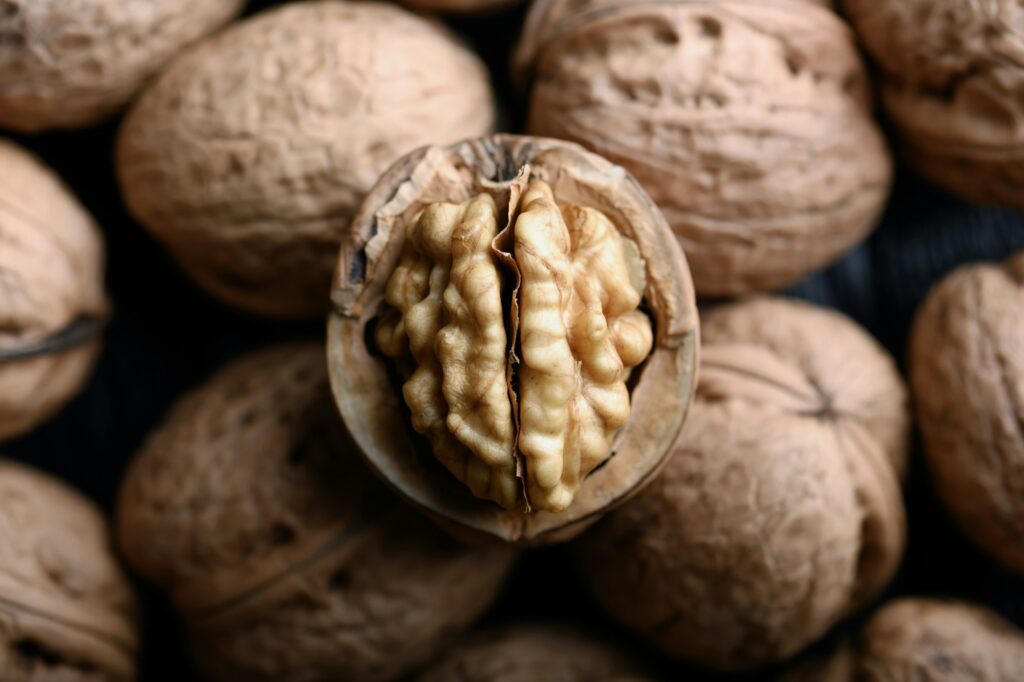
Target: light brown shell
column 69, row 64
column 480, row 7
column 250, row 153
column 967, row 373
column 51, row 279
column 533, row 653
column 67, row 611
column 952, row 74
column 363, row 384
column 926, row 639
column 747, row 121
column 282, row 556
column 780, row 510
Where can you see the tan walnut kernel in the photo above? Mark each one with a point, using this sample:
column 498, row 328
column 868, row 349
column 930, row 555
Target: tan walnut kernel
column 522, row 292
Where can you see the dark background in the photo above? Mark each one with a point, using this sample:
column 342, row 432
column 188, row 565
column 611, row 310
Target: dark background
column 167, row 336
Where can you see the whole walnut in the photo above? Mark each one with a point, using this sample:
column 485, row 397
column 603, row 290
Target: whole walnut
column 51, row 292
column 67, row 610
column 952, row 74
column 533, row 653
column 283, row 558
column 779, row 511
column 249, row 155
column 527, row 303
column 967, row 374
column 70, row 64
column 747, row 121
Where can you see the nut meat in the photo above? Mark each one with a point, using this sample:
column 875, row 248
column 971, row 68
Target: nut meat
column 503, row 278
column 67, row 611
column 282, row 556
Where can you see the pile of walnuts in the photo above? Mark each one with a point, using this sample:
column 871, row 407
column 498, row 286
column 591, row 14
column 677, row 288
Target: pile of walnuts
column 568, row 333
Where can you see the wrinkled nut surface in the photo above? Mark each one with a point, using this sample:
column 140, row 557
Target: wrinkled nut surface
column 66, row 65
column 779, row 511
column 924, row 639
column 67, row 611
column 533, row 653
column 282, row 556
column 952, row 73
column 249, row 155
column 967, row 374
column 502, row 279
column 748, row 122
column 51, row 292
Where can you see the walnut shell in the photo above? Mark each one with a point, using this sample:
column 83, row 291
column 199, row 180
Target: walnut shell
column 281, row 555
column 952, row 71
column 533, row 653
column 51, row 292
column 967, row 373
column 748, row 122
column 67, row 65
column 780, row 509
column 480, row 7
column 520, row 185
column 67, row 611
column 250, row 153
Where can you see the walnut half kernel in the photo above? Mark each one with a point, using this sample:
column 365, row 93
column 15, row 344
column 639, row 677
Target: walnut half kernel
column 501, row 411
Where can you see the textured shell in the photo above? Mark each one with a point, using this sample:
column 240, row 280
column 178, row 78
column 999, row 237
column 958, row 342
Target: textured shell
column 51, row 275
column 283, row 558
column 952, row 73
column 533, row 653
column 67, row 611
column 967, row 373
column 777, row 483
column 250, row 153
column 67, row 64
column 747, row 122
column 459, row 6
column 921, row 639
column 363, row 381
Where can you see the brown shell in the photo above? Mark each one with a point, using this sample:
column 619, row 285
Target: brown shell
column 67, row 65
column 747, row 121
column 282, row 556
column 926, row 639
column 249, row 171
column 51, row 291
column 953, row 70
column 967, row 373
column 371, row 405
column 780, row 510
column 533, row 653
column 67, row 611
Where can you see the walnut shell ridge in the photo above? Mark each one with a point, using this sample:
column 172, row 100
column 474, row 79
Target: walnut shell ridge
column 250, row 153
column 533, row 653
column 70, row 64
column 67, row 610
column 51, row 284
column 780, row 510
column 281, row 555
column 952, row 71
column 367, row 382
column 967, row 374
column 748, row 123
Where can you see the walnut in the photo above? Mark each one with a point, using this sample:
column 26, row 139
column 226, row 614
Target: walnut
column 952, row 71
column 522, row 292
column 533, row 653
column 467, row 7
column 780, row 511
column 70, row 64
column 748, row 122
column 249, row 155
column 67, row 611
column 281, row 555
column 967, row 373
column 51, row 292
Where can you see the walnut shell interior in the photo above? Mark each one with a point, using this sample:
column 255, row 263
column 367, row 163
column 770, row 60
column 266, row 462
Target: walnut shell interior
column 502, row 167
